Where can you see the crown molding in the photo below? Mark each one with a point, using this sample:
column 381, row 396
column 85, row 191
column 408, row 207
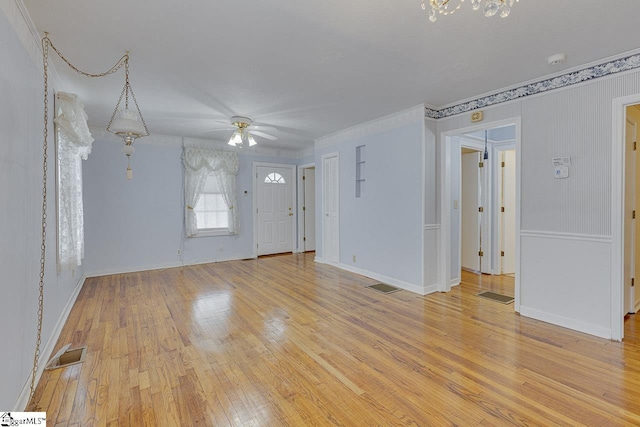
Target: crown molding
column 176, row 141
column 19, row 18
column 392, row 121
column 577, row 75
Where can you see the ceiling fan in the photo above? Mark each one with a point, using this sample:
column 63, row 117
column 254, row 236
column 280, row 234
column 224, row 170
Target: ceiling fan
column 245, row 130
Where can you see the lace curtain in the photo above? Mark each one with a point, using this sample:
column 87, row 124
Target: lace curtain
column 74, row 145
column 198, row 164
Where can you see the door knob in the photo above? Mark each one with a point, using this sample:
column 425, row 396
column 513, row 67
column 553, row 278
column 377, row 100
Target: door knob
column 290, row 213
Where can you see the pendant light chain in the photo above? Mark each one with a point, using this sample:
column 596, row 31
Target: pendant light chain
column 33, row 406
column 119, row 64
column 46, row 45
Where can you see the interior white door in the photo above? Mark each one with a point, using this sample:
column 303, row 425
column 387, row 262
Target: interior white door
column 274, row 196
column 629, row 196
column 309, row 210
column 508, row 216
column 331, row 209
column 470, row 219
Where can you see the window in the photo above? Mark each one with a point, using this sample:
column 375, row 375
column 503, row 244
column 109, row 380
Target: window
column 210, row 192
column 74, row 145
column 211, row 210
column 274, row 178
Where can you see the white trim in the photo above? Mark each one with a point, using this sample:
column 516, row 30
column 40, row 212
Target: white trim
column 444, row 237
column 217, row 144
column 109, row 272
column 566, row 236
column 617, row 212
column 381, row 124
column 580, row 75
column 47, row 350
column 294, row 220
column 496, row 186
column 566, row 322
column 300, row 204
column 19, row 18
column 423, row 216
column 210, row 232
column 411, row 287
column 335, row 154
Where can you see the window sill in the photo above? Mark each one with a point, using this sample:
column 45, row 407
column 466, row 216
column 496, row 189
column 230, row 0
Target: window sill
column 211, row 232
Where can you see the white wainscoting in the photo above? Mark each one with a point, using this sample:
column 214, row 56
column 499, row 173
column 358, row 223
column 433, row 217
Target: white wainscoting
column 565, row 277
column 430, row 261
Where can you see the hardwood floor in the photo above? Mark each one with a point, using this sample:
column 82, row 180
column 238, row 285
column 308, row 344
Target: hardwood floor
column 285, row 341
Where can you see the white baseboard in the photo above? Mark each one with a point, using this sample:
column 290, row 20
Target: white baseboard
column 411, row 287
column 165, row 265
column 455, row 281
column 111, row 271
column 47, row 350
column 566, row 322
column 637, row 306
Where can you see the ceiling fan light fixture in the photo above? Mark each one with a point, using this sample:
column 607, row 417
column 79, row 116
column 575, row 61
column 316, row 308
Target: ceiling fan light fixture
column 236, row 139
column 252, row 141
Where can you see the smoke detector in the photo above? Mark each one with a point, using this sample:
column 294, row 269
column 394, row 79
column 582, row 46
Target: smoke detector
column 556, row 59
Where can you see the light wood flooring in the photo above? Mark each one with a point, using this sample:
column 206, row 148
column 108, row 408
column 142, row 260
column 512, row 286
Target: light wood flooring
column 283, row 341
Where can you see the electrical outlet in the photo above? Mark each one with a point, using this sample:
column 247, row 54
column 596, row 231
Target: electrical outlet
column 354, row 258
column 178, row 252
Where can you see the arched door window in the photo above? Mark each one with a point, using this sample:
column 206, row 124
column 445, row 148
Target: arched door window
column 274, row 178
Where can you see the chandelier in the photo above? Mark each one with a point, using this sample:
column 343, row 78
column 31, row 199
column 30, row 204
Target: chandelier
column 126, row 122
column 449, row 7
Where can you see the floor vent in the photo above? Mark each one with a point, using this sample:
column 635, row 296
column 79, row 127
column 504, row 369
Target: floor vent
column 66, row 357
column 384, row 288
column 496, row 297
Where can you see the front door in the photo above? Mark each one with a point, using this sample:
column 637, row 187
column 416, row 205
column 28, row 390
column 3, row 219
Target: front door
column 274, row 197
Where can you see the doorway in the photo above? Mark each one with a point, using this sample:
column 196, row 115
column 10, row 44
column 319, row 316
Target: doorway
column 471, row 210
column 631, row 234
column 307, row 208
column 274, row 216
column 497, row 194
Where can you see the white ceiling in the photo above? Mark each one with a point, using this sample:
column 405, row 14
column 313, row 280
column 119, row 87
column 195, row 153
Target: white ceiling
column 311, row 68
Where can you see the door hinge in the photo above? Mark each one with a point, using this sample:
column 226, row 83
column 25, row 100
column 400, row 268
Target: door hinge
column 481, row 164
column 304, row 208
column 480, row 253
column 502, row 209
column 501, row 253
column 304, row 239
column 480, row 209
column 502, row 164
column 256, row 210
column 633, row 282
column 633, row 214
column 634, row 145
column 304, row 177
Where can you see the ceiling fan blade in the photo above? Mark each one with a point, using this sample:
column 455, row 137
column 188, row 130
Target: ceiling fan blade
column 263, row 128
column 224, row 129
column 262, row 134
